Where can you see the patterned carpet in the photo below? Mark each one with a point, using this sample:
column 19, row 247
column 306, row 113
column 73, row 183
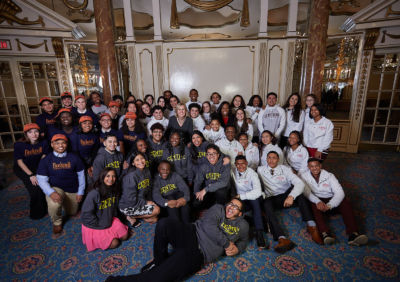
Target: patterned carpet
column 371, row 181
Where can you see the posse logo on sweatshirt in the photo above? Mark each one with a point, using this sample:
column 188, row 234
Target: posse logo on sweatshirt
column 229, row 229
column 213, row 175
column 169, row 187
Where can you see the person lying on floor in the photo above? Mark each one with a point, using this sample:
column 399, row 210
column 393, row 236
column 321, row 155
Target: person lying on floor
column 222, row 230
column 327, row 197
column 282, row 188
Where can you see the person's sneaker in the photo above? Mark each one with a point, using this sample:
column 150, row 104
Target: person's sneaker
column 284, row 245
column 260, row 239
column 313, row 231
column 328, row 239
column 356, row 239
column 148, row 266
column 136, row 224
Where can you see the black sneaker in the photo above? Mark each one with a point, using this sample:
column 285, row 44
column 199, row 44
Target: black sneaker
column 148, row 266
column 136, row 224
column 260, row 239
column 356, row 239
column 328, row 239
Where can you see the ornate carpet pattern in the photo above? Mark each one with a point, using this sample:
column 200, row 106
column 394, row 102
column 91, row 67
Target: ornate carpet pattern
column 371, row 181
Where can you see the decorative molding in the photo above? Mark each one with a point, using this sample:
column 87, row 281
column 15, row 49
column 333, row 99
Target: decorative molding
column 32, row 46
column 159, row 70
column 208, row 6
column 289, row 69
column 390, row 11
column 133, row 70
column 201, row 36
column 362, row 87
column 80, row 7
column 262, row 69
column 370, row 38
column 58, row 47
column 393, row 36
column 141, row 69
column 245, row 21
column 280, row 67
column 174, row 20
column 63, row 74
column 8, row 11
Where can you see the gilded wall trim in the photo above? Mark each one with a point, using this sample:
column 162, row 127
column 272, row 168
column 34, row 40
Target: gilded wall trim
column 160, row 70
column 289, row 69
column 58, row 47
column 262, row 69
column 133, row 70
column 32, row 46
column 8, row 11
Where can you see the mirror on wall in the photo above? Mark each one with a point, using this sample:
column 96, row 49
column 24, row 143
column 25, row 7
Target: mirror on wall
column 339, row 70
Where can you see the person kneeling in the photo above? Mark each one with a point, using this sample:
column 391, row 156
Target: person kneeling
column 222, row 230
column 171, row 191
column 101, row 229
column 326, row 196
column 135, row 200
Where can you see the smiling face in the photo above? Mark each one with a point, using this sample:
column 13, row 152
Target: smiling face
column 158, row 114
column 96, row 99
column 157, row 135
column 139, row 162
column 212, row 156
column 293, row 101
column 146, row 109
column 230, row 133
column 87, row 125
column 215, row 125
column 33, row 135
column 271, row 100
column 131, row 108
column 114, row 110
column 244, row 141
column 48, row 107
column 110, row 178
column 59, row 146
column 293, row 139
column 309, row 101
column 111, row 143
column 315, row 168
column 161, row 102
column 272, row 160
column 240, row 115
column 181, row 111
column 215, row 99
column 237, row 102
column 233, row 209
column 225, row 110
column 164, row 170
column 315, row 112
column 141, row 146
column 173, row 102
column 175, row 139
column 193, row 95
column 149, row 100
column 130, row 122
column 67, row 102
column 66, row 119
column 241, row 165
column 105, row 122
column 197, row 140
column 256, row 102
column 194, row 112
column 80, row 104
column 266, row 138
column 206, row 108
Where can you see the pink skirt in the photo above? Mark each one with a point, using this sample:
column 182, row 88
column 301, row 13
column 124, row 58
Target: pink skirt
column 102, row 238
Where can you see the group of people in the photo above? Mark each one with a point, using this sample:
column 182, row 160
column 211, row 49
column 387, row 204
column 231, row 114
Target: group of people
column 200, row 167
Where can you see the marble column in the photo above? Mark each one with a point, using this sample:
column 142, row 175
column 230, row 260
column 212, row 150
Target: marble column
column 105, row 44
column 316, row 47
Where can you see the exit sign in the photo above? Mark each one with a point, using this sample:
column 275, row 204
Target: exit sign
column 5, row 44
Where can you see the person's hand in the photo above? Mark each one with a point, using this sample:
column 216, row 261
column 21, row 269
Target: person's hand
column 237, row 196
column 322, row 206
column 207, row 127
column 200, row 195
column 79, row 198
column 318, row 155
column 180, row 202
column 172, row 204
column 288, row 202
column 257, row 111
column 226, row 160
column 55, row 197
column 90, row 171
column 33, row 180
column 249, row 121
column 240, row 154
column 125, row 165
column 231, row 250
column 255, row 144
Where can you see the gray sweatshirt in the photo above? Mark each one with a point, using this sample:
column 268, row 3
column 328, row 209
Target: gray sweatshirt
column 215, row 231
column 212, row 177
column 181, row 163
column 136, row 188
column 163, row 188
column 106, row 159
column 97, row 214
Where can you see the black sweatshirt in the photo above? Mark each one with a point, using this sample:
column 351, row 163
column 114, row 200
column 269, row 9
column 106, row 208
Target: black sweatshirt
column 163, row 188
column 106, row 159
column 136, row 188
column 181, row 162
column 214, row 177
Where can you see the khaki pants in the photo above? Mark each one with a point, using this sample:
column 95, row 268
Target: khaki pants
column 68, row 202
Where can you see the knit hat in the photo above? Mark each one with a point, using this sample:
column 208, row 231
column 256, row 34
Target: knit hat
column 105, row 115
column 30, row 126
column 113, row 104
column 59, row 137
column 79, row 97
column 85, row 118
column 63, row 110
column 45, row 99
column 66, row 94
column 130, row 115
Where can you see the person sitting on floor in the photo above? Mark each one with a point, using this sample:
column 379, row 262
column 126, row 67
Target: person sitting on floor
column 101, row 229
column 282, row 187
column 61, row 176
column 222, row 230
column 171, row 192
column 248, row 189
column 327, row 196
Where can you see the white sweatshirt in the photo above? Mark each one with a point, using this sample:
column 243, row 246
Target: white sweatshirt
column 213, row 136
column 230, row 148
column 252, row 113
column 252, row 156
column 247, row 184
column 291, row 124
column 270, row 147
column 318, row 134
column 272, row 119
column 297, row 159
column 207, row 117
column 327, row 187
column 280, row 181
column 164, row 122
column 198, row 123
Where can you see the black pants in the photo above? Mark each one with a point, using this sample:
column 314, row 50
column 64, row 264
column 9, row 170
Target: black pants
column 276, row 202
column 37, row 204
column 185, row 260
column 211, row 198
column 181, row 213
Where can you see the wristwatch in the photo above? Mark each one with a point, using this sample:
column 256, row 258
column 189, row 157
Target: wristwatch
column 166, row 204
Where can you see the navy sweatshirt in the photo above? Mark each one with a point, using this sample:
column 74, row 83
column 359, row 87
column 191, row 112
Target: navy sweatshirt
column 46, row 121
column 88, row 112
column 162, row 188
column 212, row 177
column 106, row 159
column 136, row 188
column 215, row 231
column 181, row 162
column 96, row 213
column 30, row 154
column 86, row 145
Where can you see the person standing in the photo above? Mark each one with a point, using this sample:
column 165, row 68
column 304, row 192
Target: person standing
column 272, row 117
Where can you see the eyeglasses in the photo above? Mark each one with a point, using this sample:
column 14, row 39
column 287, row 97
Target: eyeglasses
column 234, row 206
column 212, row 154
